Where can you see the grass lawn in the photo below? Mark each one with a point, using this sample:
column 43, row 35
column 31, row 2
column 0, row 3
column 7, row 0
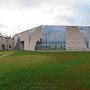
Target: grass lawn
column 25, row 70
column 5, row 52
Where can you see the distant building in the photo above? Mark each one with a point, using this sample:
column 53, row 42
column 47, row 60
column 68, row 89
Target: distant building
column 6, row 43
column 47, row 37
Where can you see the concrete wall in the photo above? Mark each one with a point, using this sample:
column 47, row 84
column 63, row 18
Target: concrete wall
column 6, row 42
column 74, row 39
column 10, row 43
column 89, row 37
column 0, row 42
column 24, row 37
column 35, row 37
column 3, row 43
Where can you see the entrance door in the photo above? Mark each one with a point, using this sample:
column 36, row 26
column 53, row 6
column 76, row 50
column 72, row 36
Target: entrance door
column 3, row 47
column 22, row 45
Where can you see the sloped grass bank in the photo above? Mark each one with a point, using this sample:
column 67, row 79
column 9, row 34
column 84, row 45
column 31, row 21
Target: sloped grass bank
column 6, row 52
column 25, row 70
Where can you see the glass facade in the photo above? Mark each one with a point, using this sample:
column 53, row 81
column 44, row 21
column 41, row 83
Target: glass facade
column 53, row 38
column 18, row 44
column 31, row 32
column 84, row 33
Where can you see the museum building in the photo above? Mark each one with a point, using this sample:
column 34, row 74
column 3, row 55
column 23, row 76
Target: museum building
column 54, row 37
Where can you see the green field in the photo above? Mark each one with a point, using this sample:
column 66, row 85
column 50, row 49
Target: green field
column 25, row 70
column 5, row 52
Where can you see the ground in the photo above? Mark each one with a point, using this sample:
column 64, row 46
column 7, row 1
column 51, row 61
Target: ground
column 5, row 52
column 25, row 70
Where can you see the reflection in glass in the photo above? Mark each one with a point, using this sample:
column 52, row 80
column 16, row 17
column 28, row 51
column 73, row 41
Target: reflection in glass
column 53, row 38
column 84, row 33
column 31, row 31
column 18, row 44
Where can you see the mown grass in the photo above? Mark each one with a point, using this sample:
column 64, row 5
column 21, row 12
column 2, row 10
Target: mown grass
column 6, row 52
column 25, row 70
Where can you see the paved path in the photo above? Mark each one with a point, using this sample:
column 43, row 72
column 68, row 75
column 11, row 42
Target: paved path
column 7, row 54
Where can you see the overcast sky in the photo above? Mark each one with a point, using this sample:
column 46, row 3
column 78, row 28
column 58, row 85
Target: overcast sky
column 20, row 15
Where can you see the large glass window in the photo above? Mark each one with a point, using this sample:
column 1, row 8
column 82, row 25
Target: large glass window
column 18, row 44
column 31, row 31
column 53, row 38
column 84, row 33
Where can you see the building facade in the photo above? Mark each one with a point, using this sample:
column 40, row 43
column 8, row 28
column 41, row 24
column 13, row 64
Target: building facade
column 6, row 43
column 48, row 37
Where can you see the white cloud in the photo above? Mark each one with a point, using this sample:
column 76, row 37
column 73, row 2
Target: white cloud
column 26, row 14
